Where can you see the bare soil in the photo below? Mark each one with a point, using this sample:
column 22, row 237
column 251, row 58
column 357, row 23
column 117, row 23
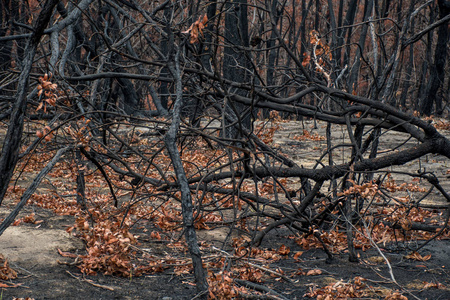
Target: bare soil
column 32, row 250
column 43, row 274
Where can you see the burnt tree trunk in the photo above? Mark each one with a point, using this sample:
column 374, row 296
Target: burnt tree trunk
column 11, row 145
column 235, row 62
column 437, row 73
column 187, row 208
column 353, row 80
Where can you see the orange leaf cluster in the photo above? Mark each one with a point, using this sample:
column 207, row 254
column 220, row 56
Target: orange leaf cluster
column 27, row 219
column 391, row 186
column 441, row 125
column 306, row 135
column 66, row 207
column 366, row 190
column 6, row 272
column 45, row 133
column 312, row 272
column 284, row 250
column 47, row 88
column 81, row 131
column 196, row 29
column 266, row 133
column 221, row 286
column 266, row 188
column 416, row 256
column 340, row 290
column 200, row 221
column 250, row 273
column 321, row 55
column 433, row 285
column 306, row 60
column 167, row 218
column 107, row 244
column 395, row 296
column 322, row 49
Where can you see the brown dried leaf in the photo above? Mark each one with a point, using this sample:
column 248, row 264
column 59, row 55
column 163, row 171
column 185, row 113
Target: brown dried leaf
column 314, row 272
column 416, row 256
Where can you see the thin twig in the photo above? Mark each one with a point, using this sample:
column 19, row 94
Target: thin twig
column 391, row 273
column 91, row 282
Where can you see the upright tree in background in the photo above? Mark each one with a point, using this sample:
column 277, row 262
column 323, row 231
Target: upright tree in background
column 236, row 58
column 12, row 143
column 435, row 82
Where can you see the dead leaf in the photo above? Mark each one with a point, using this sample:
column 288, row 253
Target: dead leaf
column 434, row 285
column 416, row 256
column 284, row 250
column 314, row 272
column 298, row 254
column 395, row 296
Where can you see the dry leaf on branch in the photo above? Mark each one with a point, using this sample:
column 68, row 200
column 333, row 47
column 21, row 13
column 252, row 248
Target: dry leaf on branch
column 196, row 29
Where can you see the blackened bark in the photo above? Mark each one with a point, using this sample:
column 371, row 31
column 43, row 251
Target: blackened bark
column 340, row 38
column 5, row 47
column 130, row 96
column 317, row 15
column 206, row 49
column 102, row 170
column 270, row 45
column 18, row 14
column 235, row 62
column 352, row 255
column 409, row 69
column 186, row 199
column 82, row 39
column 333, row 26
column 355, row 70
column 303, row 27
column 393, row 63
column 422, row 88
column 349, row 20
column 11, row 145
column 163, row 89
column 438, row 69
column 81, row 195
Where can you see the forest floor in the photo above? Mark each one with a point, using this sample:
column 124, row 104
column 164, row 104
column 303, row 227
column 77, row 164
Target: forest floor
column 33, row 251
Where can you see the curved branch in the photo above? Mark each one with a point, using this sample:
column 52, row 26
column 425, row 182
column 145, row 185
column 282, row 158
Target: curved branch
column 420, row 34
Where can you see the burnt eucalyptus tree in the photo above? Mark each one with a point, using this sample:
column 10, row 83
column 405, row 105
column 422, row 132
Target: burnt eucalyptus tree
column 435, row 82
column 11, row 144
column 236, row 59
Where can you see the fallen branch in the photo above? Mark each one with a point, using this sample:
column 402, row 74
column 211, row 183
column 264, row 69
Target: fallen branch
column 31, row 189
column 259, row 288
